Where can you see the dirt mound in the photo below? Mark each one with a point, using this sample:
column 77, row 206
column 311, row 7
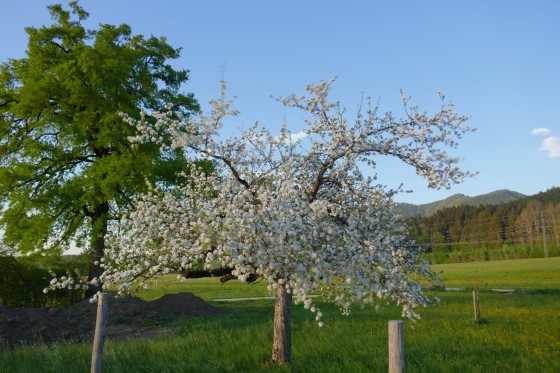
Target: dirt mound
column 187, row 304
column 129, row 317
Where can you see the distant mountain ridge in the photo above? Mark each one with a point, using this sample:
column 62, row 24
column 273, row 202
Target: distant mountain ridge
column 497, row 197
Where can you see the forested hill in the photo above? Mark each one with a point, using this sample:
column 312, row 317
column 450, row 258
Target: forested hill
column 531, row 223
column 497, row 197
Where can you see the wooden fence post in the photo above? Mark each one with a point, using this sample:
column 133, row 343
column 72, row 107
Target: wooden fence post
column 475, row 304
column 100, row 328
column 396, row 346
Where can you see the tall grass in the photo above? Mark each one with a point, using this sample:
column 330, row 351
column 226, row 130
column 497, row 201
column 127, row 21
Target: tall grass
column 519, row 333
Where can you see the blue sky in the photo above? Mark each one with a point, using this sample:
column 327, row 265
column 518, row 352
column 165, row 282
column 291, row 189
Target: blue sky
column 498, row 61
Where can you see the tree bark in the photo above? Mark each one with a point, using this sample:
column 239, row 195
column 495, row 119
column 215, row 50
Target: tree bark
column 282, row 340
column 224, row 274
column 99, row 221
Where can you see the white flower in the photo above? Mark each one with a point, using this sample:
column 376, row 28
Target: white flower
column 304, row 216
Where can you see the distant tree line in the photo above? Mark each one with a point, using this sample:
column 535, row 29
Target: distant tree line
column 525, row 228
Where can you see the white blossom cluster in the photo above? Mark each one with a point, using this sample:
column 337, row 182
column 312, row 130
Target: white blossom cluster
column 300, row 214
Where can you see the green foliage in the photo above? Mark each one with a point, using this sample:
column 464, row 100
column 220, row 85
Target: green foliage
column 66, row 165
column 22, row 281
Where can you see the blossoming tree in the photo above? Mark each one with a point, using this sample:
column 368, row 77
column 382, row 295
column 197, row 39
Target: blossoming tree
column 300, row 214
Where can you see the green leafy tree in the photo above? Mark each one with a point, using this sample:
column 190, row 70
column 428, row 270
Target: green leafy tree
column 66, row 165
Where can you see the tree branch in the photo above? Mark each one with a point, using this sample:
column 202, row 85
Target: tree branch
column 224, row 274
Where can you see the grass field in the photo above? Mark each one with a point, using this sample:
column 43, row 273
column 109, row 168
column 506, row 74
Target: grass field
column 519, row 332
column 523, row 274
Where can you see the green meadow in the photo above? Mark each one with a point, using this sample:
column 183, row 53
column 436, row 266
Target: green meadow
column 518, row 332
column 522, row 274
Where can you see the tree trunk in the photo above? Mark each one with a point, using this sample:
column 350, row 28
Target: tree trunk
column 99, row 221
column 282, row 340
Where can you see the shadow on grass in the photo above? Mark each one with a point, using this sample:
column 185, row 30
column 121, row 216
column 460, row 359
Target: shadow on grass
column 543, row 291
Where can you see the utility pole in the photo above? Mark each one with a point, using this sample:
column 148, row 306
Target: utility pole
column 554, row 226
column 544, row 235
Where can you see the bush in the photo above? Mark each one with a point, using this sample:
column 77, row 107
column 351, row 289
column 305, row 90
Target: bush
column 22, row 281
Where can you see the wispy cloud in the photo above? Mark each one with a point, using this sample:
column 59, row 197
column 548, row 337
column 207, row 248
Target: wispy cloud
column 541, row 131
column 298, row 136
column 551, row 145
column 293, row 137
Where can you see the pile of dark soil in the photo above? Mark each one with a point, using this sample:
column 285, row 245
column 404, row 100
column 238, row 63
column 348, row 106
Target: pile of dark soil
column 129, row 317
